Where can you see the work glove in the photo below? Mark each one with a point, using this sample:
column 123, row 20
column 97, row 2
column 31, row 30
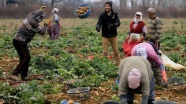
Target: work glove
column 164, row 76
column 45, row 25
column 123, row 100
column 111, row 26
column 47, row 21
column 150, row 101
column 128, row 33
column 97, row 29
column 42, row 8
column 144, row 34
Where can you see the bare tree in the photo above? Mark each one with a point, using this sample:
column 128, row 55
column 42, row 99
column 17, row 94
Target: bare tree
column 160, row 3
column 123, row 3
column 145, row 3
column 153, row 3
column 132, row 3
column 4, row 3
column 28, row 2
column 55, row 1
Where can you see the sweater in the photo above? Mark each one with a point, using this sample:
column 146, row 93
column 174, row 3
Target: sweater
column 151, row 54
column 144, row 67
column 154, row 29
column 30, row 27
column 138, row 28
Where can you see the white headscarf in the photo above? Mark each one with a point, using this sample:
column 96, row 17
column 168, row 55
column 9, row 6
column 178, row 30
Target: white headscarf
column 138, row 20
column 141, row 51
column 55, row 10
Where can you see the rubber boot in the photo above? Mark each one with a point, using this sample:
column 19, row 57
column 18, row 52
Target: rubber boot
column 130, row 102
column 150, row 101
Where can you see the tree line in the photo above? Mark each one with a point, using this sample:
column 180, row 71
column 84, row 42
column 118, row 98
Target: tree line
column 164, row 8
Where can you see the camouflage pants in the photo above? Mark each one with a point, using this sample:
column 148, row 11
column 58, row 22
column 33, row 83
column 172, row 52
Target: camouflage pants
column 157, row 74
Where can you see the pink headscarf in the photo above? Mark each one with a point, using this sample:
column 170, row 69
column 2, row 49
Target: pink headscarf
column 134, row 78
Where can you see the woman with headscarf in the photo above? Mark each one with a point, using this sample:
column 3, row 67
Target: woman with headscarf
column 147, row 51
column 24, row 35
column 137, row 27
column 54, row 26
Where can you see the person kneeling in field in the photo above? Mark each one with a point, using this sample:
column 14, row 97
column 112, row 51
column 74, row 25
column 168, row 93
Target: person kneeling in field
column 137, row 27
column 135, row 76
column 25, row 34
column 129, row 43
column 147, row 51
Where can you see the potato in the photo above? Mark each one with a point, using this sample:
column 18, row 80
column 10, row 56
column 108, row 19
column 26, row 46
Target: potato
column 82, row 10
column 158, row 98
column 70, row 102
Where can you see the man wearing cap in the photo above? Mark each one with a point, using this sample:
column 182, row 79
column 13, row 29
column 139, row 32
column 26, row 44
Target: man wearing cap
column 54, row 26
column 108, row 22
column 135, row 76
column 146, row 50
column 137, row 27
column 154, row 30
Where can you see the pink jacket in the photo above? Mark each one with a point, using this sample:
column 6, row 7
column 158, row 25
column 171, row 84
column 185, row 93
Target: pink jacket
column 151, row 54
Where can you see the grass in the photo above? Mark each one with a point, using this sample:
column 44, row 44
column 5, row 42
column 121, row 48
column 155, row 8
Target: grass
column 9, row 25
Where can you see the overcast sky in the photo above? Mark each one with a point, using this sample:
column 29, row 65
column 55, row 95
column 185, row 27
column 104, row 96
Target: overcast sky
column 90, row 0
column 116, row 2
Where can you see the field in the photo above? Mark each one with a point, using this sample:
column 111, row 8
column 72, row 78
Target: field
column 66, row 58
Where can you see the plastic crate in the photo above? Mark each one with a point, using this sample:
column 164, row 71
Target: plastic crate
column 175, row 81
column 164, row 102
column 110, row 102
column 66, row 102
column 81, row 93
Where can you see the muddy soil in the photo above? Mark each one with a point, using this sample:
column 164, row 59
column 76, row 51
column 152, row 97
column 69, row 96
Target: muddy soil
column 102, row 93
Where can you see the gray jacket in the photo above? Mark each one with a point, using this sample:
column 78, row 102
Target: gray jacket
column 144, row 67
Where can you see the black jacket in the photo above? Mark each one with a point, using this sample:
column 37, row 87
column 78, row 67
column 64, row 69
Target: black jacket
column 105, row 21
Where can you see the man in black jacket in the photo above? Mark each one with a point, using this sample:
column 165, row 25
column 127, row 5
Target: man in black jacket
column 108, row 22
